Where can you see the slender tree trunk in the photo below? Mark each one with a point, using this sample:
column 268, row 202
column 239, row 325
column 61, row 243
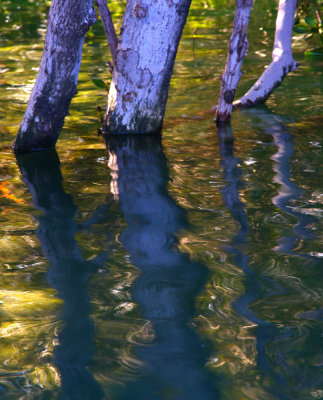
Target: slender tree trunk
column 282, row 58
column 148, row 43
column 68, row 22
column 237, row 50
column 108, row 27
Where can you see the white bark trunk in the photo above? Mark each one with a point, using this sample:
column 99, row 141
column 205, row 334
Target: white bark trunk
column 237, row 50
column 146, row 52
column 282, row 58
column 68, row 22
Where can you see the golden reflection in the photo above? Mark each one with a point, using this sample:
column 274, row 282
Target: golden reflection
column 21, row 302
column 7, row 210
column 130, row 363
column 47, row 376
column 145, row 335
column 6, row 193
column 208, row 322
column 124, row 307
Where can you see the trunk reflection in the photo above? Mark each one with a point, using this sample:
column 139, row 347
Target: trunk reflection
column 169, row 281
column 68, row 271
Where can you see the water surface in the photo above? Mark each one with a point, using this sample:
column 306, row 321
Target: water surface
column 187, row 267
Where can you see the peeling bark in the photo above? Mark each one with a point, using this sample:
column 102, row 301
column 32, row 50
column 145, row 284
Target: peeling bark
column 237, row 50
column 282, row 58
column 68, row 22
column 148, row 43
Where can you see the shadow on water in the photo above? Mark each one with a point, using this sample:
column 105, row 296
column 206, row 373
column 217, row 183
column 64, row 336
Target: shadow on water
column 264, row 331
column 174, row 360
column 68, row 271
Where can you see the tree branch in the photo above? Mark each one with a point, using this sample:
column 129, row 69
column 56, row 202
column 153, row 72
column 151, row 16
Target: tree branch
column 282, row 58
column 108, row 27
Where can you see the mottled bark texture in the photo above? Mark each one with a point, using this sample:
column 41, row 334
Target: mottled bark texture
column 68, row 22
column 238, row 47
column 147, row 47
column 282, row 58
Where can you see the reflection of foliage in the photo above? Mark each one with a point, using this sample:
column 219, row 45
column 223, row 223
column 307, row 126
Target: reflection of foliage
column 309, row 23
column 26, row 328
column 14, row 23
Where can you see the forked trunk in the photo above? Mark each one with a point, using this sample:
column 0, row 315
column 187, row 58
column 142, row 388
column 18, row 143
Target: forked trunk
column 68, row 22
column 282, row 58
column 148, row 43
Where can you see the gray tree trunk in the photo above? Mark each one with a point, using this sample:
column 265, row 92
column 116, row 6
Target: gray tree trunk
column 147, row 47
column 282, row 58
column 237, row 50
column 68, row 22
column 108, row 27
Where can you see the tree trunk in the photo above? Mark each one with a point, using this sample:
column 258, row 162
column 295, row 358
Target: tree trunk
column 282, row 58
column 68, row 22
column 108, row 27
column 237, row 50
column 148, row 43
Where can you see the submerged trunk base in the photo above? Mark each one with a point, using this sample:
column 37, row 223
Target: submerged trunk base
column 238, row 47
column 139, row 125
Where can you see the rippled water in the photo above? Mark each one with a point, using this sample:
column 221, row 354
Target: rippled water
column 183, row 268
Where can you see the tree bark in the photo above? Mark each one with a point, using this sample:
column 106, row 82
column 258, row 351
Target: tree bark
column 148, row 43
column 237, row 50
column 68, row 22
column 108, row 27
column 282, row 58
